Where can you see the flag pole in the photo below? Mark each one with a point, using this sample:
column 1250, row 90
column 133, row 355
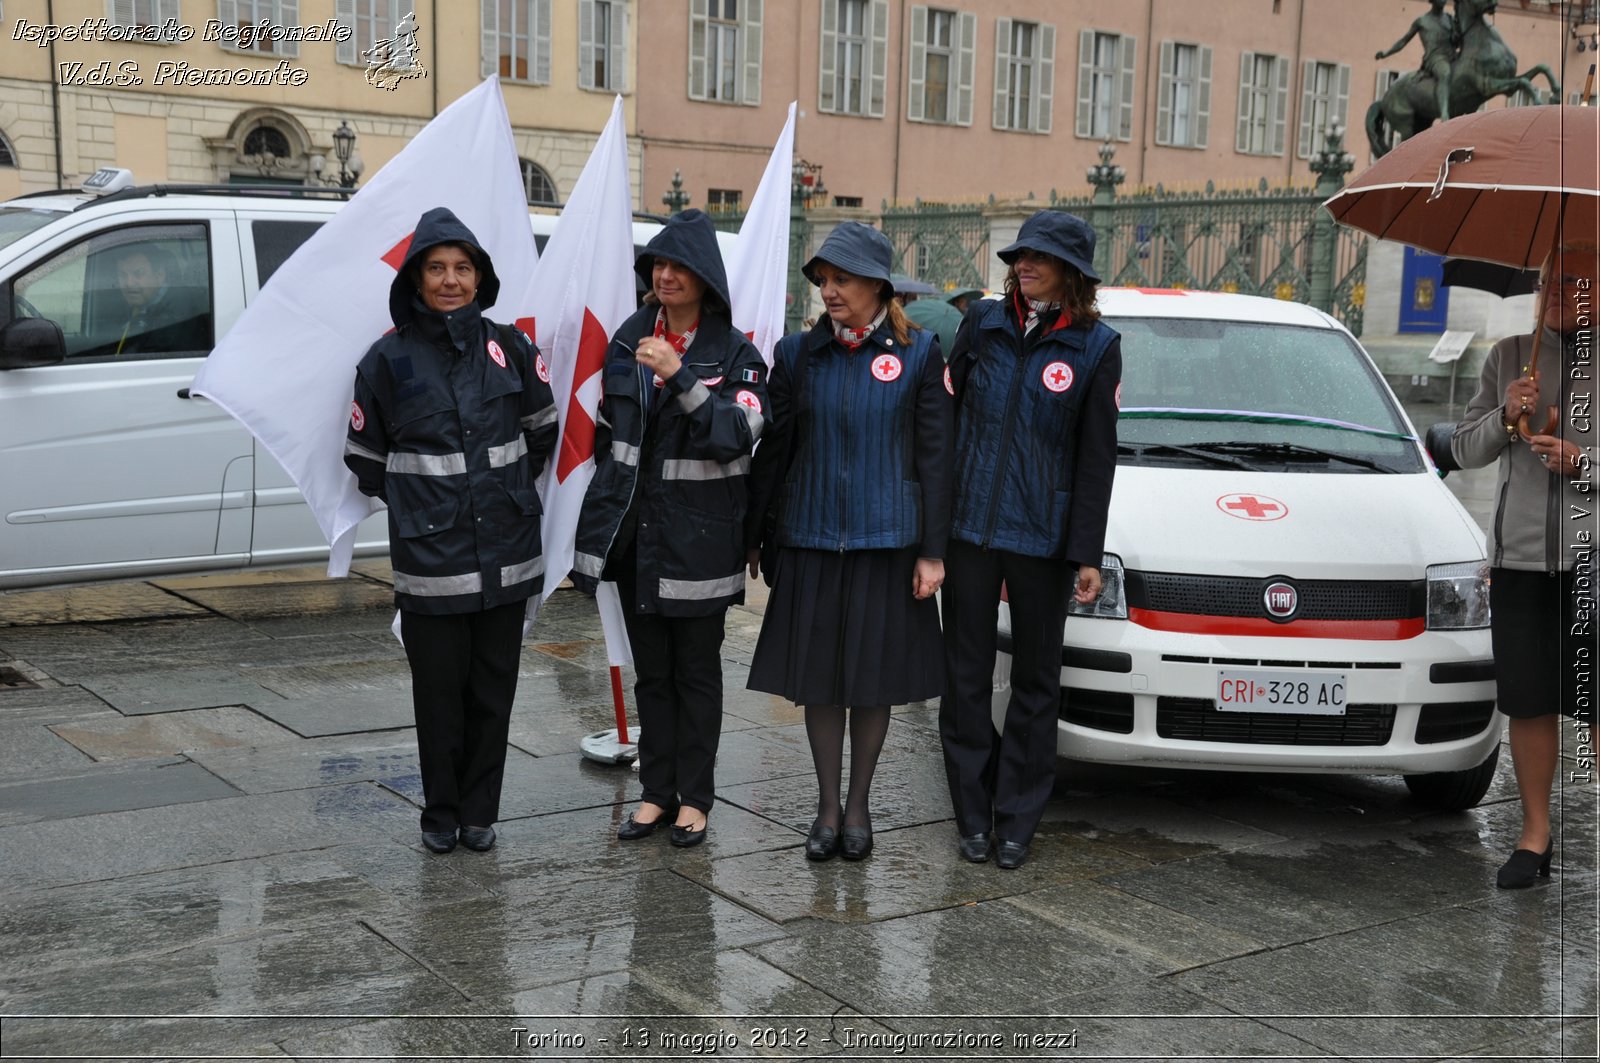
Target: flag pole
column 617, row 703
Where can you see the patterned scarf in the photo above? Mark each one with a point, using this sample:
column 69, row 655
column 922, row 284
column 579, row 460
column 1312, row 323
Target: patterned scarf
column 1037, row 308
column 679, row 343
column 852, row 338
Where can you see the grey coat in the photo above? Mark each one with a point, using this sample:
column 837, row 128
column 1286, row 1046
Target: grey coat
column 1538, row 514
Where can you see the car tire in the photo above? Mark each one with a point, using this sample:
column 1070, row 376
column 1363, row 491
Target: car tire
column 1454, row 791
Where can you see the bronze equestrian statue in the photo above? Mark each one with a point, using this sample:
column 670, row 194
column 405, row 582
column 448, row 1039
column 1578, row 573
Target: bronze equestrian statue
column 1482, row 68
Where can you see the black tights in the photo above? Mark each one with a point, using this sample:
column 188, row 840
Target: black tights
column 869, row 726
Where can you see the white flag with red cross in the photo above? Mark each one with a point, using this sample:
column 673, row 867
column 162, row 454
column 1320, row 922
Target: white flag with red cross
column 758, row 265
column 286, row 369
column 581, row 291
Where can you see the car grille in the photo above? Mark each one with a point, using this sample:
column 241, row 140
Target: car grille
column 1452, row 720
column 1197, row 720
column 1324, row 599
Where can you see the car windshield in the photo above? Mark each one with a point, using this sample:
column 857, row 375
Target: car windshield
column 1255, row 396
column 17, row 222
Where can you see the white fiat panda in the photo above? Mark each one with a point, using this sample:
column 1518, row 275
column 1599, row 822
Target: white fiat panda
column 1289, row 586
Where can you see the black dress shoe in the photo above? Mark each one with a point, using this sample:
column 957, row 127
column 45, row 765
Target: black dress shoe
column 439, row 841
column 1525, row 865
column 975, row 847
column 685, row 838
column 1010, row 855
column 478, row 839
column 822, row 843
column 855, row 843
column 634, row 829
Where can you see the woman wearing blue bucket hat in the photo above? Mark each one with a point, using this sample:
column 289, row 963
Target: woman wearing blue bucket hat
column 855, row 476
column 1036, row 377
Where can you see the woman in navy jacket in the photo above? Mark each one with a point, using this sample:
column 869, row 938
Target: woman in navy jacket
column 857, row 474
column 681, row 408
column 451, row 423
column 1036, row 378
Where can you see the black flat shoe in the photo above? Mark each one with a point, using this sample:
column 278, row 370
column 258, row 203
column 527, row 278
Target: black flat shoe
column 822, row 843
column 478, row 839
column 975, row 847
column 439, row 841
column 633, row 829
column 684, row 838
column 855, row 843
column 1010, row 855
column 1525, row 865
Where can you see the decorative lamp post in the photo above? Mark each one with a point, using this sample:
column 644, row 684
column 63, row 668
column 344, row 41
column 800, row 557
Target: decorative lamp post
column 1330, row 165
column 1105, row 176
column 344, row 149
column 804, row 186
column 676, row 198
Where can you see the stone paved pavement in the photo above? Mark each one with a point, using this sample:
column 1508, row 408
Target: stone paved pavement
column 208, row 808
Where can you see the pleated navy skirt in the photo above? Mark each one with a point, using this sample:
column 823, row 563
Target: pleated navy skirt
column 845, row 629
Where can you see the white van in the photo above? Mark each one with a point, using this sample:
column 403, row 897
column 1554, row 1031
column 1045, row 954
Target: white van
column 1289, row 585
column 108, row 468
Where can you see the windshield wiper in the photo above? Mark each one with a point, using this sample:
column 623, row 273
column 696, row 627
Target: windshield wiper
column 1294, row 450
column 1198, row 451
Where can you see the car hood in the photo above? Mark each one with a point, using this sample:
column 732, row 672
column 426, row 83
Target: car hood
column 1306, row 525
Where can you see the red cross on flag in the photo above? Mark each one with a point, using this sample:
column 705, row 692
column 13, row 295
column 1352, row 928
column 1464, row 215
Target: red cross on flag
column 581, row 291
column 758, row 265
column 286, row 368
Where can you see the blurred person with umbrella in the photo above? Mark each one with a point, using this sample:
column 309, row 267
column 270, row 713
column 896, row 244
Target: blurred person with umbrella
column 1520, row 187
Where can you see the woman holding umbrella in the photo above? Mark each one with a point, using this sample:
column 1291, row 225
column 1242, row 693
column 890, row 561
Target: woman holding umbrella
column 1533, row 543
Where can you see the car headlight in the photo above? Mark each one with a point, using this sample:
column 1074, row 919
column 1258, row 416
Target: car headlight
column 1113, row 602
column 1458, row 596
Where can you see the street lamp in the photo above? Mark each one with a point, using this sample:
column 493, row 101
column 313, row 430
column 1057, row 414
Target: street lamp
column 676, row 198
column 807, row 183
column 344, row 149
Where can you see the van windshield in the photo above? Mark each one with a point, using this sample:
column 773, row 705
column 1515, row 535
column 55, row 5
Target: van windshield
column 1256, row 396
column 17, row 222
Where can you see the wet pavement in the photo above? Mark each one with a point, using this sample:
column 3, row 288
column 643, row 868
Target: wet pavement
column 208, row 837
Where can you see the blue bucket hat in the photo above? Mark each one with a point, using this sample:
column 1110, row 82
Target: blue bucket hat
column 1057, row 233
column 855, row 248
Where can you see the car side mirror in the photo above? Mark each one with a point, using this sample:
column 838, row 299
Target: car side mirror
column 1437, row 440
column 31, row 342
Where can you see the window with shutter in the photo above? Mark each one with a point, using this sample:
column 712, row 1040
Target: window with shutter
column 722, row 65
column 936, row 46
column 1263, row 86
column 617, row 61
column 1105, row 85
column 877, row 57
column 516, row 40
column 1319, row 103
column 146, row 14
column 1017, row 75
column 1178, row 108
column 602, row 40
column 966, row 51
column 246, row 16
column 751, row 40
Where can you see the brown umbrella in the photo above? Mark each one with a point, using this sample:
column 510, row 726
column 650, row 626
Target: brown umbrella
column 1507, row 186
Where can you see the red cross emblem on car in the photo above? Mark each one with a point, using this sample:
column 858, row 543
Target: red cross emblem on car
column 1057, row 376
column 1252, row 507
column 886, row 368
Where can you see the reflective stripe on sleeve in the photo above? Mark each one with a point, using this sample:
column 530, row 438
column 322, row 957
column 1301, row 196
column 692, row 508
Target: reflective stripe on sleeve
column 428, row 464
column 437, row 586
column 354, row 449
column 757, row 422
column 690, row 469
column 588, row 565
column 513, row 574
column 507, row 453
column 624, row 452
column 685, row 590
column 540, row 419
column 692, row 399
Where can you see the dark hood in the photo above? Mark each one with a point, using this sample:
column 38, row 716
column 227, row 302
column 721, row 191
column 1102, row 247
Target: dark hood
column 438, row 226
column 688, row 239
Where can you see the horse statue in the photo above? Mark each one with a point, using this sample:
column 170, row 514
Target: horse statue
column 1483, row 69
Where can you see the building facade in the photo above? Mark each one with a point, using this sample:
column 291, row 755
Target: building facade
column 253, row 90
column 962, row 100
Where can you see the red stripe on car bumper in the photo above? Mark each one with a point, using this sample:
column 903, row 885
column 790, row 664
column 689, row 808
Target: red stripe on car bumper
column 1195, row 624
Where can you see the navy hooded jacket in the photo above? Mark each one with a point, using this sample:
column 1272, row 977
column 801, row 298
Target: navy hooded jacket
column 1036, row 433
column 672, row 462
column 452, row 421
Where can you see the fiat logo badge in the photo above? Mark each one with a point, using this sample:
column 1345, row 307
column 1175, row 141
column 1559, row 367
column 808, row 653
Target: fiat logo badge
column 1281, row 600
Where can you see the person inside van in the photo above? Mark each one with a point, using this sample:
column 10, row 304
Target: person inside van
column 451, row 423
column 156, row 321
column 1035, row 377
column 1537, row 537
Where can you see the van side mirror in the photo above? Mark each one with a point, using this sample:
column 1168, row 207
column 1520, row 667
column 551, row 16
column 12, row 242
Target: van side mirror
column 31, row 341
column 1437, row 440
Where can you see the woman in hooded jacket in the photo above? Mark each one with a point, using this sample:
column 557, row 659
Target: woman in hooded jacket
column 451, row 422
column 681, row 407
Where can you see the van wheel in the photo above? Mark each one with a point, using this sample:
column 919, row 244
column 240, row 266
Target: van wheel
column 1453, row 791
